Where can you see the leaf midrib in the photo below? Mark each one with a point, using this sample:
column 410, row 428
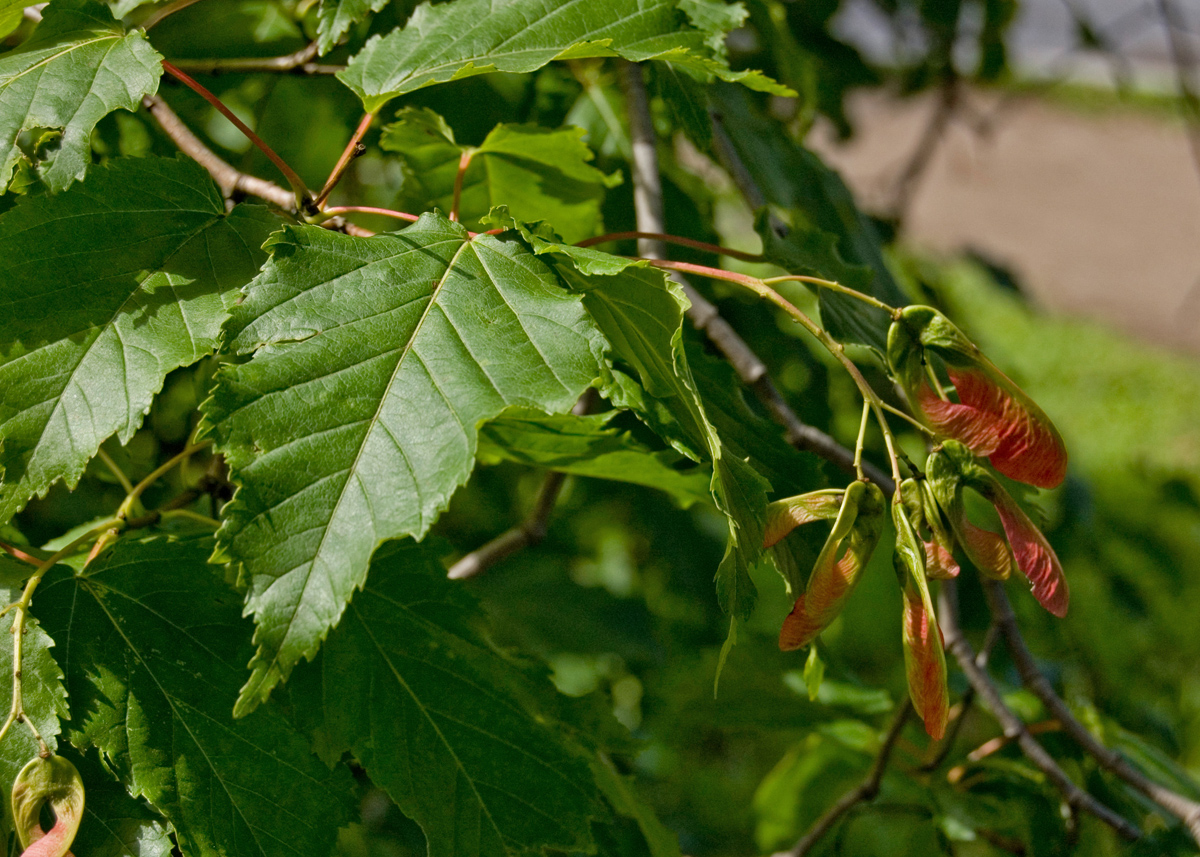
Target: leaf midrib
column 101, row 330
column 4, row 84
column 179, row 717
column 272, row 665
column 493, row 52
column 427, row 714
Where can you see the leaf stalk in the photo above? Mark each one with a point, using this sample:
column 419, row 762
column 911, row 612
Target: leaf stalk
column 304, row 200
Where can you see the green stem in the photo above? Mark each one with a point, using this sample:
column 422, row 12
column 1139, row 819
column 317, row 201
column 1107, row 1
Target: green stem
column 17, row 710
column 862, row 437
column 760, row 288
column 166, row 11
column 191, row 516
column 154, row 476
column 937, row 384
column 364, row 209
column 114, row 469
column 304, row 200
column 673, row 239
column 836, row 287
column 915, row 423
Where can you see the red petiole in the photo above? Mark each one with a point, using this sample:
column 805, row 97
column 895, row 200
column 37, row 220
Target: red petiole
column 304, row 199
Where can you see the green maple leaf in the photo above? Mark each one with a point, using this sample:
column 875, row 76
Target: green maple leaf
column 115, row 824
column 156, row 654
column 45, row 701
column 641, row 313
column 104, row 289
column 336, row 17
column 584, row 446
column 374, row 361
column 454, row 40
column 79, row 66
column 454, row 732
column 538, row 173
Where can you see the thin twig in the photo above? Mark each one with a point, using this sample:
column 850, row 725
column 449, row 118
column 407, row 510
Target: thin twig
column 673, row 239
column 370, row 209
column 745, row 362
column 133, row 497
column 1186, row 810
column 16, row 713
column 299, row 62
column 992, row 746
column 835, row 348
column 529, row 532
column 864, row 792
column 16, row 553
column 166, row 12
column 303, row 197
column 229, row 179
column 1011, row 725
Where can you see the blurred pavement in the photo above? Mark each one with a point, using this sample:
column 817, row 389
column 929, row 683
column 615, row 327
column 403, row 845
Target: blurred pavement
column 1097, row 214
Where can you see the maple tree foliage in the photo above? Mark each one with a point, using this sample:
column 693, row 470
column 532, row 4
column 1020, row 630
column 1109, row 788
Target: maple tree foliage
column 261, row 439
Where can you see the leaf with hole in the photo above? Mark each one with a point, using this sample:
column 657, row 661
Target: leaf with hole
column 79, row 66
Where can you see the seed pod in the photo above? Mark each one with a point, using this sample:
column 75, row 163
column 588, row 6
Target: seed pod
column 54, row 781
column 859, row 524
column 926, row 519
column 924, row 658
column 783, row 516
column 953, row 468
column 993, row 417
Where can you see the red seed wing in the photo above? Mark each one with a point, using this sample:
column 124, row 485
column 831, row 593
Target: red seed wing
column 925, row 662
column 1033, row 555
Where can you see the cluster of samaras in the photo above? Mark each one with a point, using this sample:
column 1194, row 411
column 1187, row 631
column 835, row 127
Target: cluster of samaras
column 993, row 419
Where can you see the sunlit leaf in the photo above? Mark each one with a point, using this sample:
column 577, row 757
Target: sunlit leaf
column 336, row 17
column 373, row 362
column 79, row 66
column 104, row 289
column 452, row 41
